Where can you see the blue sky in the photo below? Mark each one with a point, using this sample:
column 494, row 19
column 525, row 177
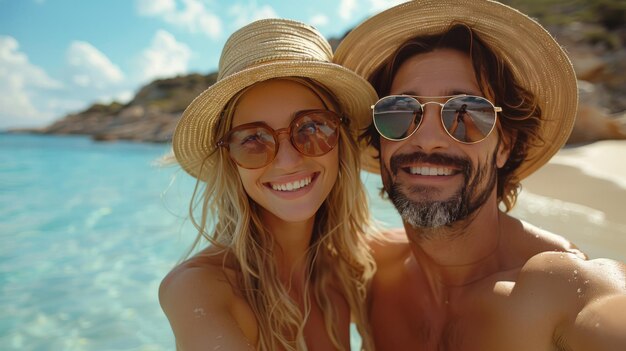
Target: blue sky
column 60, row 56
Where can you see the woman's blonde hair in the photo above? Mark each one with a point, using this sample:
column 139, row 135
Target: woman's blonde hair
column 338, row 255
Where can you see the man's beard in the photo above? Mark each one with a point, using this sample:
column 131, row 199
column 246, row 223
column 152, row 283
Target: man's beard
column 426, row 213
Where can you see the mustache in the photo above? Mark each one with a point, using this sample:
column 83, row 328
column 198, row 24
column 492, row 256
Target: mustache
column 437, row 159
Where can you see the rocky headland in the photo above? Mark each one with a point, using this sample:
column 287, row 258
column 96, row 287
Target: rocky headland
column 150, row 116
column 593, row 36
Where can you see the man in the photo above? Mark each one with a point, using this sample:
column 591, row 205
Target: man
column 468, row 276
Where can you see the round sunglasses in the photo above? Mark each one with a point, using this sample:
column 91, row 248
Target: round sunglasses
column 254, row 145
column 468, row 119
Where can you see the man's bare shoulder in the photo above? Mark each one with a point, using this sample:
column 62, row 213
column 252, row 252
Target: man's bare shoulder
column 570, row 282
column 558, row 267
column 552, row 240
column 391, row 247
column 584, row 294
column 524, row 240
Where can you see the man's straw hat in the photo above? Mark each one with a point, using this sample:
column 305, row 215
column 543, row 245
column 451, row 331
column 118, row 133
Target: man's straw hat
column 262, row 50
column 536, row 59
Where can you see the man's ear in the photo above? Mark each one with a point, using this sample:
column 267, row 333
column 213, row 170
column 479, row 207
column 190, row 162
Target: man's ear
column 507, row 141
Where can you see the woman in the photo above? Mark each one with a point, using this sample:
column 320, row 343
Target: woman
column 273, row 142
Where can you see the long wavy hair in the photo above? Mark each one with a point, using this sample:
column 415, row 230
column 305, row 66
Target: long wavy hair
column 519, row 121
column 338, row 256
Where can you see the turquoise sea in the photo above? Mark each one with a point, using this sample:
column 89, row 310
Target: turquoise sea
column 87, row 232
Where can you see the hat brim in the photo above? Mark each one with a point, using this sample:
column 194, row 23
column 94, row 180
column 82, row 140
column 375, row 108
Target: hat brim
column 194, row 137
column 538, row 62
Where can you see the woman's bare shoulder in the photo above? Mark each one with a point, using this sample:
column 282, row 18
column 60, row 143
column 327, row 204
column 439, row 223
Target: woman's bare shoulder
column 200, row 299
column 205, row 272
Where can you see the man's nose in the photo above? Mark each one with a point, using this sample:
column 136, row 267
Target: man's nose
column 431, row 134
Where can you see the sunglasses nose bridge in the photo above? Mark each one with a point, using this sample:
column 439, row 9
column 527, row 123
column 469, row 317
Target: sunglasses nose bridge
column 431, row 103
column 286, row 151
column 281, row 131
column 283, row 135
column 434, row 110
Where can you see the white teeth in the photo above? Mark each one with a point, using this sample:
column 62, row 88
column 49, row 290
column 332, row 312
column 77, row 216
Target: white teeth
column 430, row 171
column 293, row 185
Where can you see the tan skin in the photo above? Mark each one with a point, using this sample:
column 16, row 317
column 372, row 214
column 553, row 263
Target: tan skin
column 201, row 297
column 497, row 283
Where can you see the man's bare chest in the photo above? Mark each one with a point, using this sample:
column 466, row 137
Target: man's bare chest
column 480, row 319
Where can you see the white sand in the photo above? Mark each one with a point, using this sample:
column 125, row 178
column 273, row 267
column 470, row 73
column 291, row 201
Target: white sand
column 581, row 195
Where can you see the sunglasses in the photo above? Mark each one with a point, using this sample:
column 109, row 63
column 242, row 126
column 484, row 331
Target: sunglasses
column 467, row 119
column 254, row 145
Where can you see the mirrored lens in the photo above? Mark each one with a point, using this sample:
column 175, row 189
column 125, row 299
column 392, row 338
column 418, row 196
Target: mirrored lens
column 252, row 147
column 396, row 117
column 468, row 119
column 315, row 133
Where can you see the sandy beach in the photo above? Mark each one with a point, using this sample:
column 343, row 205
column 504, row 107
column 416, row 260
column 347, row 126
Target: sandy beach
column 581, row 195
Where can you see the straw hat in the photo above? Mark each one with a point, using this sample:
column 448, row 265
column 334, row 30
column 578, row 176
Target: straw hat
column 536, row 59
column 262, row 50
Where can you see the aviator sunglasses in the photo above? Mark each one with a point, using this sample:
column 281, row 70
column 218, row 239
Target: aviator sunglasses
column 467, row 119
column 255, row 145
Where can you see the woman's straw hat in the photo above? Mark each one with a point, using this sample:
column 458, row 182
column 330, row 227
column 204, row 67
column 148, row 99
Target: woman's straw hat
column 536, row 59
column 262, row 50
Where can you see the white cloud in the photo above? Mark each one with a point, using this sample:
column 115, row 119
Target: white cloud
column 380, row 5
column 90, row 68
column 245, row 13
column 119, row 96
column 346, row 9
column 21, row 83
column 124, row 96
column 62, row 106
column 319, row 20
column 15, row 65
column 192, row 16
column 155, row 7
column 166, row 57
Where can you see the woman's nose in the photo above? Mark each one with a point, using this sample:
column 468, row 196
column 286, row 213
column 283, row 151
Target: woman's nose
column 287, row 156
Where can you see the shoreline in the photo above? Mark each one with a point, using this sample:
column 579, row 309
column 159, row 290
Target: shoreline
column 581, row 195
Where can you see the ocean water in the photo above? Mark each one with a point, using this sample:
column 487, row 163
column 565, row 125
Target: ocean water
column 86, row 237
column 87, row 232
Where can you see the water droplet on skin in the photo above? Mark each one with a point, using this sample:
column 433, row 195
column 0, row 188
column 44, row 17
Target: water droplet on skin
column 586, row 282
column 217, row 347
column 597, row 325
column 575, row 271
column 199, row 312
column 579, row 290
column 551, row 272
